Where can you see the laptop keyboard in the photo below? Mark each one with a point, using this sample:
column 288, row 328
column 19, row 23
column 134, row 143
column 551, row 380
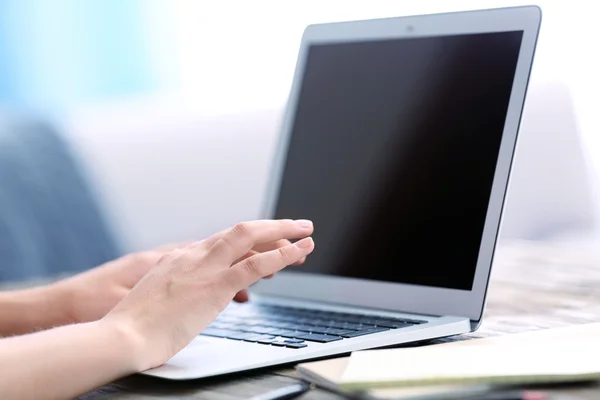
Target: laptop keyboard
column 293, row 327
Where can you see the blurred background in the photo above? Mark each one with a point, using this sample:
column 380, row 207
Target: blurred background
column 126, row 124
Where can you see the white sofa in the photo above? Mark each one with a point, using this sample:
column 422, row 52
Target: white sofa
column 165, row 172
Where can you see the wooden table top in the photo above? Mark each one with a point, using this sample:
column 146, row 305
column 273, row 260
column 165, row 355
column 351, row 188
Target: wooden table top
column 533, row 286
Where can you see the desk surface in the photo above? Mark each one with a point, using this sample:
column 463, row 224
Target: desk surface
column 533, row 286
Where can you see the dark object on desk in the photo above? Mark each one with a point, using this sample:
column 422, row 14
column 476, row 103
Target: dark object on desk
column 285, row 393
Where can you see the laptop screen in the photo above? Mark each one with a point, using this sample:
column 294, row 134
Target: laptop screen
column 392, row 155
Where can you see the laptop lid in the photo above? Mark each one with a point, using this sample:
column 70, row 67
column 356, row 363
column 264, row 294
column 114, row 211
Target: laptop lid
column 397, row 142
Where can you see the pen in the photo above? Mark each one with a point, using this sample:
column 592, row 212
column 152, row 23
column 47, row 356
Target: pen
column 288, row 392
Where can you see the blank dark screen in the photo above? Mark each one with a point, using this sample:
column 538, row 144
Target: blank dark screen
column 392, row 155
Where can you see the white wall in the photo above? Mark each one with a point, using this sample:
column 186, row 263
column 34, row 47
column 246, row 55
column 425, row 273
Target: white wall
column 165, row 174
column 156, row 163
column 232, row 53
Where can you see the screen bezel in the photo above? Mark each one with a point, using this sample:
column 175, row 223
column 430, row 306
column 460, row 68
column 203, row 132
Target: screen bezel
column 397, row 296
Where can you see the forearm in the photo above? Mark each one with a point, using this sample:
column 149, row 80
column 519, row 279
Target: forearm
column 30, row 310
column 65, row 362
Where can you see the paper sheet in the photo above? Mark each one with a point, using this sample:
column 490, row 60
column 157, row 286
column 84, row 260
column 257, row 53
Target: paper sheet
column 571, row 353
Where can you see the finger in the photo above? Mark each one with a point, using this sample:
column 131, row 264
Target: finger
column 264, row 247
column 241, row 296
column 252, row 253
column 259, row 248
column 244, row 274
column 209, row 242
column 247, row 255
column 240, row 239
column 301, row 261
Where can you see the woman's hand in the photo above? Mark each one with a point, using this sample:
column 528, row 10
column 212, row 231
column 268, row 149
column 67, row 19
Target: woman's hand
column 189, row 286
column 90, row 295
column 180, row 292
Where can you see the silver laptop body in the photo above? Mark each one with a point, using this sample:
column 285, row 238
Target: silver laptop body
column 397, row 142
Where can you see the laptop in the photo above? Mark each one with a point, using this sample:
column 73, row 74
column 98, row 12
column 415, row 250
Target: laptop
column 397, row 142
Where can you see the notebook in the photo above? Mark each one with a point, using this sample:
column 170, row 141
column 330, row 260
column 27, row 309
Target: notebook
column 546, row 356
column 327, row 374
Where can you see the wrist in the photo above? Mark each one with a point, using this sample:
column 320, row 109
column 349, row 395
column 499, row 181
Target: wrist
column 131, row 345
column 60, row 302
column 29, row 310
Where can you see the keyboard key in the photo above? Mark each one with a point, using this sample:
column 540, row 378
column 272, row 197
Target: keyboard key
column 256, row 338
column 256, row 322
column 263, row 331
column 241, row 328
column 337, row 332
column 306, row 328
column 267, row 341
column 404, row 321
column 282, row 318
column 364, row 332
column 382, row 323
column 319, row 322
column 354, row 320
column 283, row 325
column 335, row 324
column 216, row 332
column 239, row 335
column 369, row 321
column 216, row 325
column 280, row 325
column 318, row 329
column 359, row 327
column 251, row 338
column 279, row 344
column 314, row 337
column 415, row 321
column 290, row 333
column 293, row 340
column 348, row 326
column 295, row 345
column 391, row 325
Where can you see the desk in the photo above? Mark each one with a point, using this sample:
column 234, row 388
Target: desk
column 533, row 286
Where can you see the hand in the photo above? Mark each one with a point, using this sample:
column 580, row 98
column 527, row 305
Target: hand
column 90, row 295
column 188, row 287
column 242, row 295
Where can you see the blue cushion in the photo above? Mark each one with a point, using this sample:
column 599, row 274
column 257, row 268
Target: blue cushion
column 50, row 222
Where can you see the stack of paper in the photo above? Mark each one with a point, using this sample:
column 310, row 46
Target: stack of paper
column 547, row 356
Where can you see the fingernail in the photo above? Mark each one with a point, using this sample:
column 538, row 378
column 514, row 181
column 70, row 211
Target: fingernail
column 304, row 243
column 304, row 223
